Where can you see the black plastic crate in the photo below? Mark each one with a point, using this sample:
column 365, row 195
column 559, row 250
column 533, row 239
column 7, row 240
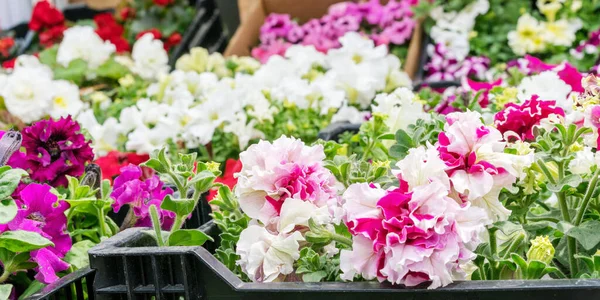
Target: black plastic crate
column 77, row 285
column 206, row 30
column 333, row 131
column 128, row 269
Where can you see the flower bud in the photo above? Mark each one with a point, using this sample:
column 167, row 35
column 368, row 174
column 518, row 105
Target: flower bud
column 541, row 249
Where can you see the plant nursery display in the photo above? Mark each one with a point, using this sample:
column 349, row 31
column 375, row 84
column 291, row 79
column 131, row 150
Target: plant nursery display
column 314, row 168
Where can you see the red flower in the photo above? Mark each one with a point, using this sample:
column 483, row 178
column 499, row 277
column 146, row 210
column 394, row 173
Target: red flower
column 155, row 32
column 5, row 45
column 232, row 166
column 9, row 64
column 520, row 119
column 173, row 40
column 44, row 16
column 112, row 163
column 163, row 2
column 110, row 30
column 127, row 13
column 52, row 35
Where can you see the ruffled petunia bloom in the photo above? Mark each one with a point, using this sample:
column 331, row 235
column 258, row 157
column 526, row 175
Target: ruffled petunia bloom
column 53, row 150
column 520, row 119
column 409, row 237
column 476, row 163
column 130, row 189
column 42, row 212
column 285, row 169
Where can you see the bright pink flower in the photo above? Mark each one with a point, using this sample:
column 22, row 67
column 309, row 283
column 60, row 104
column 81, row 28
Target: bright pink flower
column 130, row 189
column 522, row 118
column 42, row 212
column 484, row 87
column 53, row 149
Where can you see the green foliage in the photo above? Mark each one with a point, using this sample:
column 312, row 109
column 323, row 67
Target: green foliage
column 231, row 222
column 418, row 134
column 9, row 180
column 23, row 241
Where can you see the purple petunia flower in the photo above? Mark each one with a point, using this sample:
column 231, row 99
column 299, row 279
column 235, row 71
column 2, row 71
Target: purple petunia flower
column 130, row 189
column 42, row 212
column 53, row 149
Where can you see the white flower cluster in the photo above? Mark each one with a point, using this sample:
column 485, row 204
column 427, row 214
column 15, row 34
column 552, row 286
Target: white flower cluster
column 30, row 93
column 188, row 106
column 452, row 29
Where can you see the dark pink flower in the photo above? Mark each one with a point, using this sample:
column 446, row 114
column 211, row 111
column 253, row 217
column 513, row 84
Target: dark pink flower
column 130, row 189
column 522, row 118
column 569, row 74
column 484, row 87
column 42, row 212
column 53, row 149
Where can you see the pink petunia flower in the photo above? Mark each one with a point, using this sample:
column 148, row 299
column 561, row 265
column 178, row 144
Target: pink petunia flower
column 130, row 189
column 42, row 212
column 522, row 118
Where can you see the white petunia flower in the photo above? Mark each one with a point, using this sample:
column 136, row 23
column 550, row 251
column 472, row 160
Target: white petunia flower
column 528, row 36
column 104, row 137
column 28, row 94
column 548, row 86
column 150, row 59
column 401, row 107
column 65, row 100
column 583, row 162
column 266, row 257
column 81, row 42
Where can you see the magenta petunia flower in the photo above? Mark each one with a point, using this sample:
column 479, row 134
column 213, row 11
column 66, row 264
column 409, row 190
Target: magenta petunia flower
column 42, row 212
column 53, row 149
column 522, row 118
column 130, row 189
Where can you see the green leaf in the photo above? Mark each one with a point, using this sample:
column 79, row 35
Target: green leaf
column 314, row 276
column 402, row 138
column 48, row 56
column 586, row 234
column 5, row 290
column 8, row 210
column 203, row 181
column 112, row 69
column 9, row 180
column 75, row 72
column 23, row 241
column 188, row 237
column 181, row 207
column 78, row 255
column 156, row 165
column 572, row 180
column 33, row 288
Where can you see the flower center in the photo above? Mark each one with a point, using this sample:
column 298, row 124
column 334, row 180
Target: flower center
column 36, row 216
column 60, row 102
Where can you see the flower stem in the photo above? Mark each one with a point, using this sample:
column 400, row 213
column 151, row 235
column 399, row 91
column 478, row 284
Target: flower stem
column 564, row 209
column 102, row 222
column 177, row 223
column 341, row 239
column 4, row 276
column 156, row 225
column 586, row 199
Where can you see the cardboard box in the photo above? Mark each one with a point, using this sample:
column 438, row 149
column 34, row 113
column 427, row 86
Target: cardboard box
column 99, row 4
column 254, row 12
